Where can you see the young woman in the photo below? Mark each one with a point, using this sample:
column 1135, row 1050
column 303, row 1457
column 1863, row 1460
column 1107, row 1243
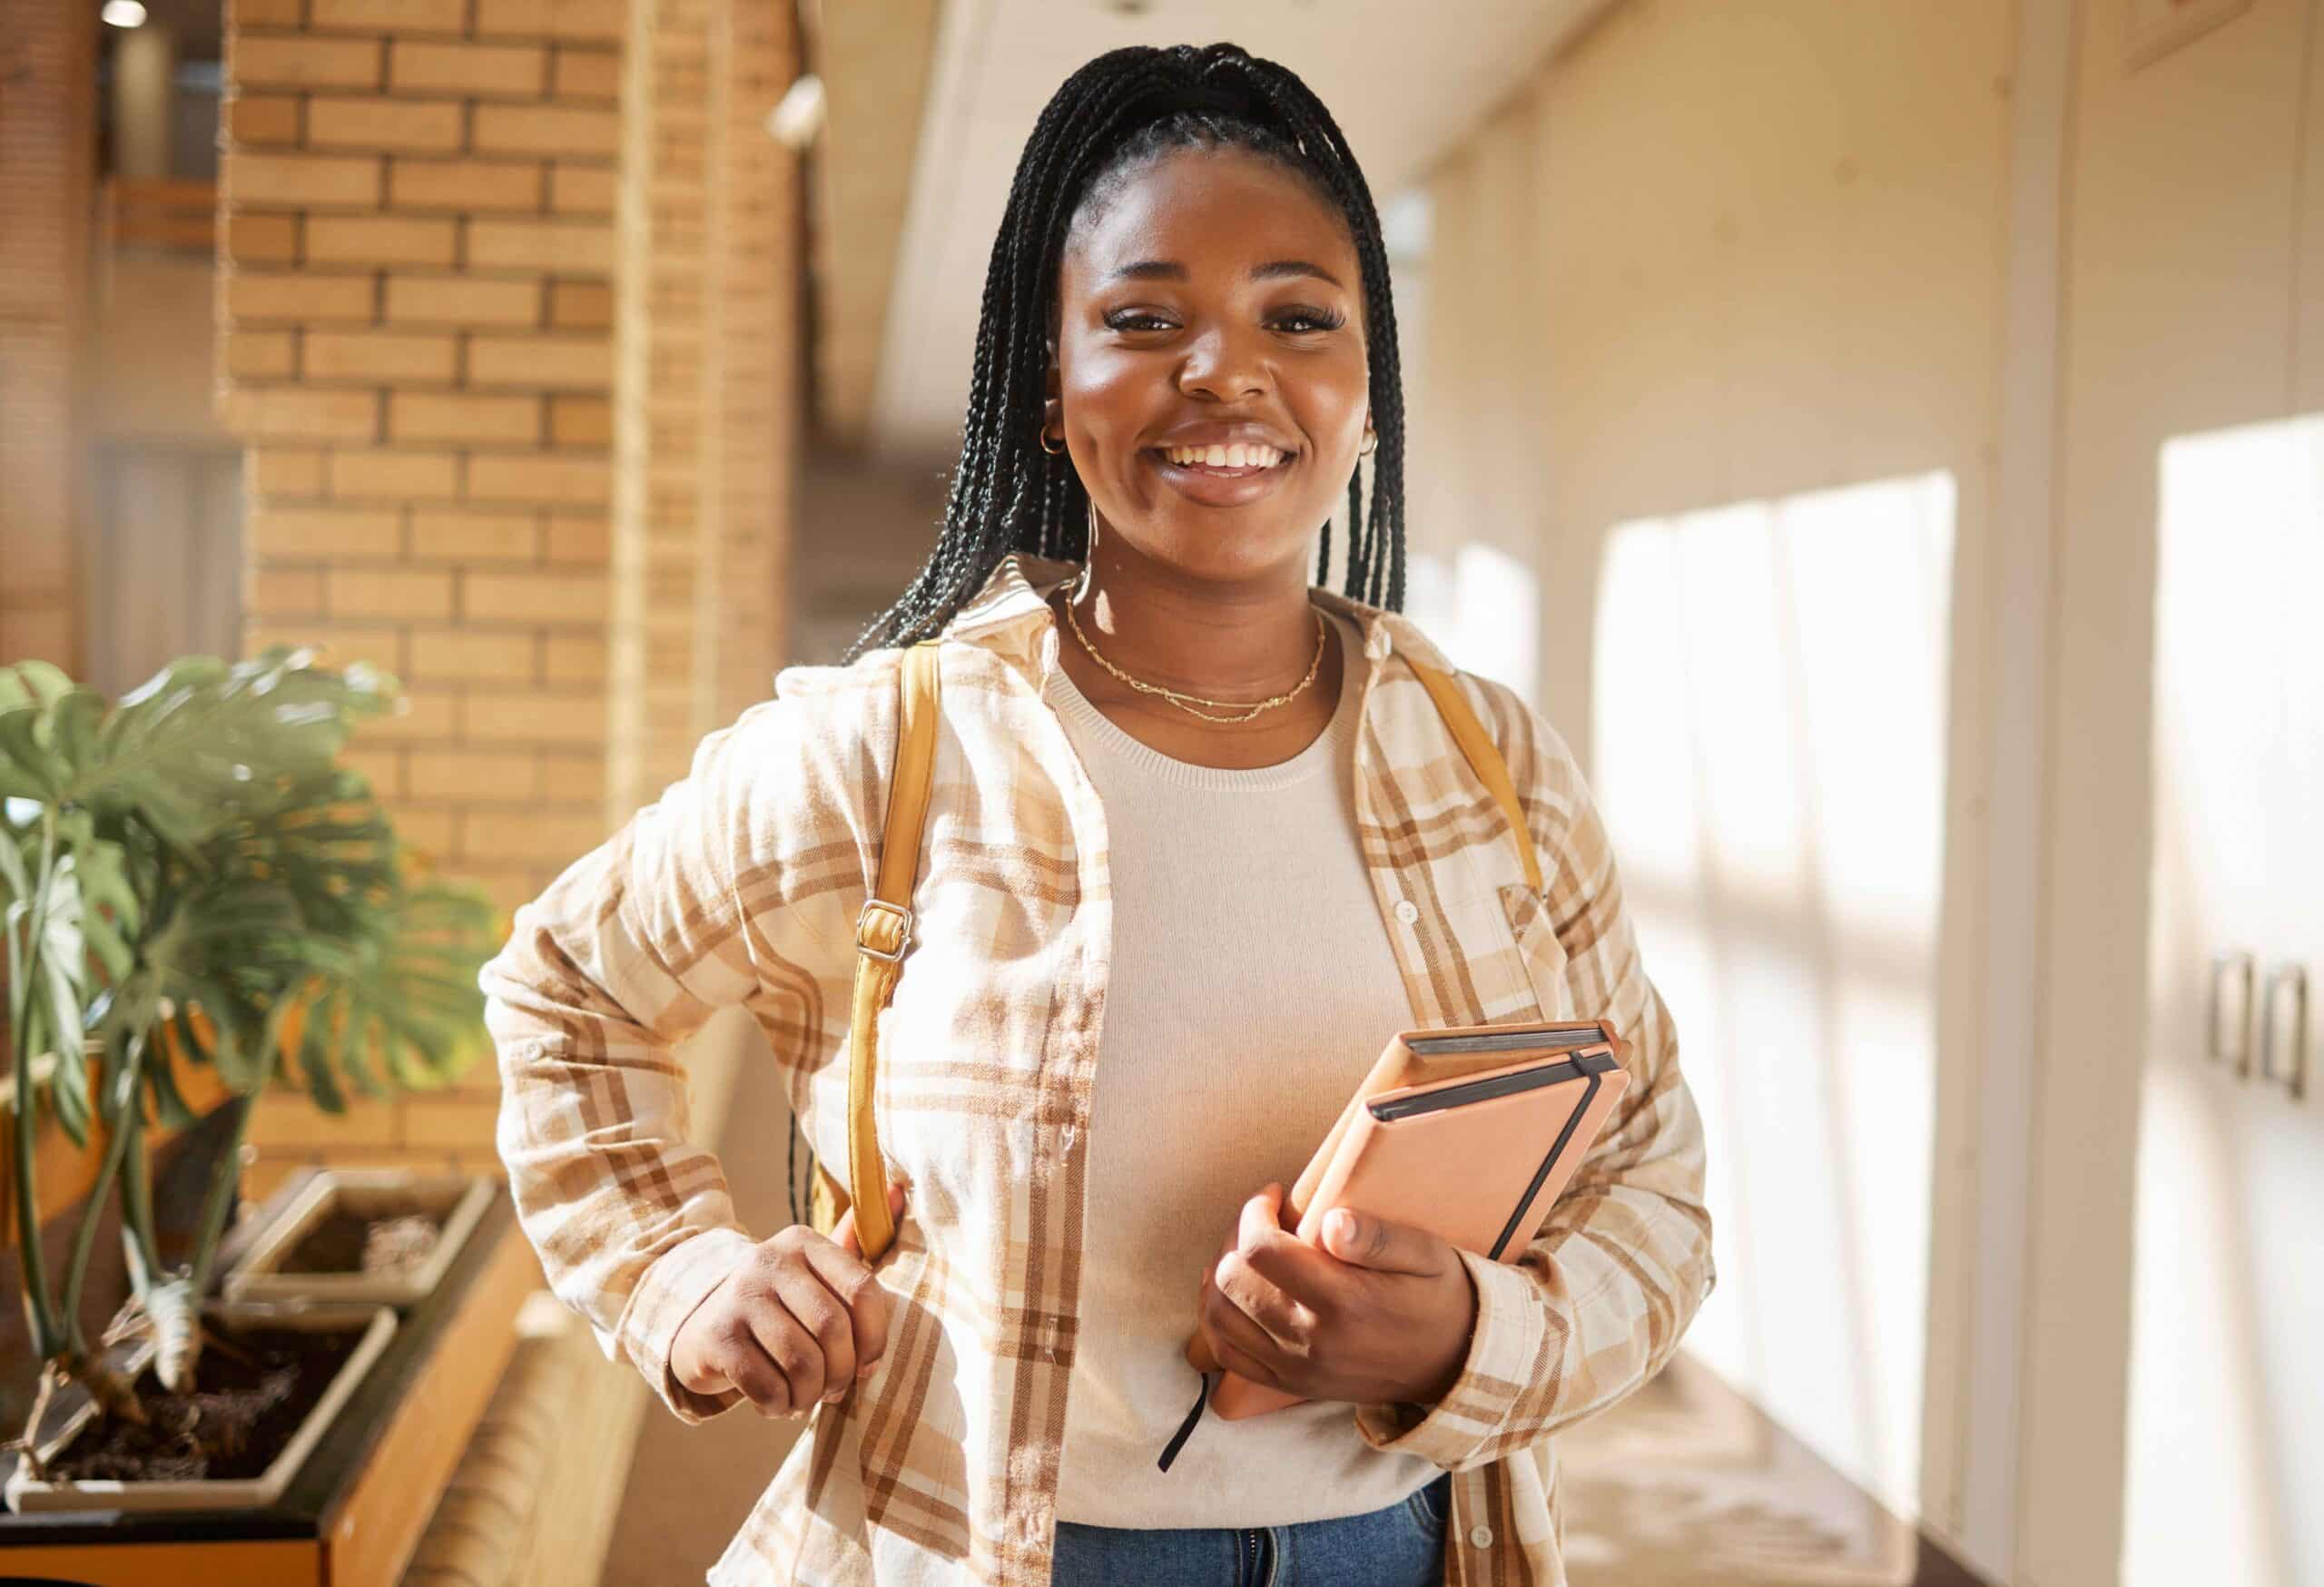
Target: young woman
column 1199, row 842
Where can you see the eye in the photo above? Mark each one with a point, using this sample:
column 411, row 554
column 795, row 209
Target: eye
column 1310, row 321
column 1134, row 319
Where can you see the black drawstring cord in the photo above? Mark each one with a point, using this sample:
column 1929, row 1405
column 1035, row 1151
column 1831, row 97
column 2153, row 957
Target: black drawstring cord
column 1185, row 1428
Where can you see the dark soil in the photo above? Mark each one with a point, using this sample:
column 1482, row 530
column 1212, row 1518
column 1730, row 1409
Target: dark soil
column 345, row 1242
column 232, row 1424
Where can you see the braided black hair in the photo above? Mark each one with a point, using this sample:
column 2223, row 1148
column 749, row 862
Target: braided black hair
column 1121, row 109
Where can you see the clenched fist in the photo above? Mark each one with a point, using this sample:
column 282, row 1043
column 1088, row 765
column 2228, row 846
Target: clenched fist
column 798, row 1321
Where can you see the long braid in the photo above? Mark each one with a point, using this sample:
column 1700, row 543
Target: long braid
column 1007, row 493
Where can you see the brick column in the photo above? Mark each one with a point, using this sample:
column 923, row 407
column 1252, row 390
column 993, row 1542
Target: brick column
column 46, row 154
column 707, row 405
column 417, row 258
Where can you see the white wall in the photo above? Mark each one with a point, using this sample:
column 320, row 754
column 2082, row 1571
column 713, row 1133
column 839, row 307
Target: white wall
column 1716, row 341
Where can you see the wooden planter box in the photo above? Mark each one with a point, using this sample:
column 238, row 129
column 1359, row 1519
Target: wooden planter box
column 455, row 1200
column 351, row 1515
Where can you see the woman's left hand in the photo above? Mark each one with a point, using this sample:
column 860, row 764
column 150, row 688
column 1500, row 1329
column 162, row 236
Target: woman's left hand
column 1382, row 1313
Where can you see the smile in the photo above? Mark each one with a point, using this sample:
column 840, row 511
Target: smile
column 1221, row 476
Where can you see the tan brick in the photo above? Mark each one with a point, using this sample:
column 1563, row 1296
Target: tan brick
column 261, row 239
column 534, row 718
column 583, row 189
column 475, row 536
column 434, row 832
column 500, row 185
column 261, row 296
column 513, row 476
column 580, row 422
column 529, row 834
column 588, row 73
column 474, row 774
column 397, row 125
column 474, row 655
column 270, row 13
column 473, row 69
column 580, row 305
column 438, row 1120
column 417, row 594
column 384, row 476
column 573, row 363
column 509, row 889
column 419, row 713
column 321, row 533
column 276, row 471
column 334, row 646
column 391, row 15
column 564, row 19
column 257, row 61
column 573, row 658
column 262, row 118
column 579, row 540
column 381, row 765
column 289, row 413
column 259, row 355
column 454, row 300
column 282, row 592
column 379, row 240
column 463, row 417
column 380, row 355
column 546, row 129
column 578, row 248
column 289, row 1119
column 342, row 180
column 568, row 599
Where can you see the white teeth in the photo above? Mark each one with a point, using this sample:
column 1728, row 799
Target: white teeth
column 1240, row 455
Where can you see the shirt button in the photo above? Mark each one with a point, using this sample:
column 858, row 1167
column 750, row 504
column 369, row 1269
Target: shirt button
column 1407, row 911
column 1481, row 1536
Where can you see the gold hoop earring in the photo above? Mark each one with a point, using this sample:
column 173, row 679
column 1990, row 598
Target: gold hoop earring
column 1055, row 451
column 1371, row 442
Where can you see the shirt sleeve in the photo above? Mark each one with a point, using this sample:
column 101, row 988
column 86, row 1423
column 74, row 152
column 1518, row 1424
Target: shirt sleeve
column 1598, row 1301
column 724, row 893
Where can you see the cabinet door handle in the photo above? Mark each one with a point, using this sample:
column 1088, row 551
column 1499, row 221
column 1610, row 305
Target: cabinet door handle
column 2293, row 1075
column 2233, row 967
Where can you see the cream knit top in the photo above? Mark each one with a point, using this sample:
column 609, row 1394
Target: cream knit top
column 1251, row 985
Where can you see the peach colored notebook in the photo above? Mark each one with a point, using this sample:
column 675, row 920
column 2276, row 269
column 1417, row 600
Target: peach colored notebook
column 1472, row 1133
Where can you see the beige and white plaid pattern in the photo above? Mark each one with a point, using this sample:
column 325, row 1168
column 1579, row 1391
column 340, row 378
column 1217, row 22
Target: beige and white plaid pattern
column 742, row 885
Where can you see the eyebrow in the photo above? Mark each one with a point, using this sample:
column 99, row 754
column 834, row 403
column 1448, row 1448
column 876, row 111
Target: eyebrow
column 1170, row 269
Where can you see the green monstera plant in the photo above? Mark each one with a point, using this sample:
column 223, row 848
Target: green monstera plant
column 188, row 873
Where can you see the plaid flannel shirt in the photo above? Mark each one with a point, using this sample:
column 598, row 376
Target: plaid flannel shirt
column 742, row 886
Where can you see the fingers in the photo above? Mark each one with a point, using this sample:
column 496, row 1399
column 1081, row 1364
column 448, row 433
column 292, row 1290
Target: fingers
column 1239, row 1344
column 816, row 1350
column 1275, row 1311
column 843, row 1273
column 1374, row 1243
column 1261, row 1219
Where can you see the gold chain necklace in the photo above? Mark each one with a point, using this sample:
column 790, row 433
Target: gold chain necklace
column 1172, row 695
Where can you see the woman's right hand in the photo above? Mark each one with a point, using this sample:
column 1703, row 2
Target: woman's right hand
column 800, row 1321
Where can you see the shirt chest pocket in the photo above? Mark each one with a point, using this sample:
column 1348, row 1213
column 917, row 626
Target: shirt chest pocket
column 1540, row 956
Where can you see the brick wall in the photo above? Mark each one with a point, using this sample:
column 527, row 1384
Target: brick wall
column 433, row 209
column 46, row 158
column 418, row 255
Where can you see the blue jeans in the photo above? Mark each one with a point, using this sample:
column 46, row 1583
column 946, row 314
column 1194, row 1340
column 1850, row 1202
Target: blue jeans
column 1401, row 1545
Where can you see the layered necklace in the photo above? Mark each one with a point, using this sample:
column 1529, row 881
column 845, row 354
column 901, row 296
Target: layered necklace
column 1184, row 702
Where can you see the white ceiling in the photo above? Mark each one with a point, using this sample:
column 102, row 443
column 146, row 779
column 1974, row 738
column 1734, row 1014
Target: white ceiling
column 1405, row 80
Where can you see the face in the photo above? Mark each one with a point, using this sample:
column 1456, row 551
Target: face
column 1215, row 299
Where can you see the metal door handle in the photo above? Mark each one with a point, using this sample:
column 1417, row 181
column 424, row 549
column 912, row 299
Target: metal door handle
column 2293, row 1076
column 2236, row 965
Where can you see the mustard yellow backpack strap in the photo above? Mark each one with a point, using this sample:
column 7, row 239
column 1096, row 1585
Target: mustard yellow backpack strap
column 882, row 934
column 1485, row 758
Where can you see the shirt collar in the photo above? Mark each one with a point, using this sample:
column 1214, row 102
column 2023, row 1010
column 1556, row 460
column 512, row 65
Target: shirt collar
column 1012, row 612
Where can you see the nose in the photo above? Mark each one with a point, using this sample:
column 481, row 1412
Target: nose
column 1223, row 366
